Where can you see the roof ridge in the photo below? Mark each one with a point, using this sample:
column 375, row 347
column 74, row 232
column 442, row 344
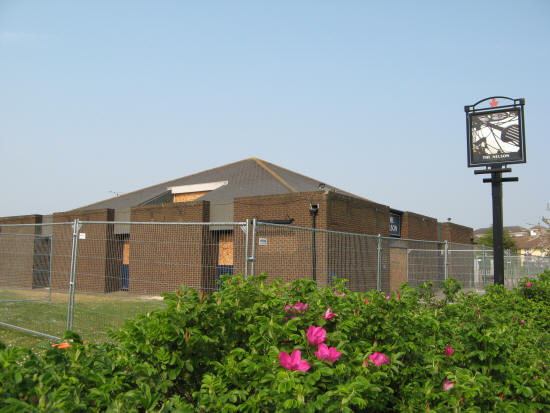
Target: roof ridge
column 274, row 174
column 316, row 180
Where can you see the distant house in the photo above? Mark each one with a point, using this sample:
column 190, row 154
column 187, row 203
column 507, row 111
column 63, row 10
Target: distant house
column 514, row 231
column 536, row 243
column 533, row 241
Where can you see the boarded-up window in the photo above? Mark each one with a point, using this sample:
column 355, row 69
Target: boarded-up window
column 398, row 267
column 189, row 196
column 126, row 252
column 225, row 248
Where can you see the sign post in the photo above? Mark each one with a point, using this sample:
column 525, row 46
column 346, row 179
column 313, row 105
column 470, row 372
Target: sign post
column 496, row 137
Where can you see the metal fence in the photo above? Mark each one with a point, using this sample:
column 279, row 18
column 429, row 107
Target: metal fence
column 87, row 276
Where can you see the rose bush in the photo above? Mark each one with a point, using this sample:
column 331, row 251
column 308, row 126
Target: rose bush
column 255, row 346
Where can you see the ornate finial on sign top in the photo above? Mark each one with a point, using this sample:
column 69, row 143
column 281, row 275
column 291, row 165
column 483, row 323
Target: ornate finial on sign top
column 493, row 103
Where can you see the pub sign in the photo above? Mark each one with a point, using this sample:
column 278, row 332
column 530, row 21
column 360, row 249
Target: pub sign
column 496, row 134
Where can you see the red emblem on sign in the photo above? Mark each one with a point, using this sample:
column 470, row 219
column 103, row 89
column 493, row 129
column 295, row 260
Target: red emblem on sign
column 493, row 103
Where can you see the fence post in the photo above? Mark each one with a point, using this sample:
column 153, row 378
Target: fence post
column 379, row 265
column 72, row 275
column 253, row 257
column 483, row 267
column 246, row 249
column 408, row 251
column 50, row 269
column 446, row 260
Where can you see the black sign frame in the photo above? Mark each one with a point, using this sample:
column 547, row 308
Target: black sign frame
column 395, row 227
column 495, row 134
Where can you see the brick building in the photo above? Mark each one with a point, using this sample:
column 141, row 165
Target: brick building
column 117, row 256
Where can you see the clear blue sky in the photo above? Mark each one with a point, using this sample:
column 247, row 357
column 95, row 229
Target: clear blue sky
column 367, row 96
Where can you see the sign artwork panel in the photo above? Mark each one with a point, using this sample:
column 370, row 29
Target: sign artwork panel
column 496, row 137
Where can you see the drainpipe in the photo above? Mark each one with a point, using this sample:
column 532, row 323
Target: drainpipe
column 313, row 210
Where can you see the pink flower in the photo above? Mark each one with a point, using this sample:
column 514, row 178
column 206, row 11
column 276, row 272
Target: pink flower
column 387, row 297
column 449, row 351
column 528, row 284
column 522, row 321
column 296, row 307
column 316, row 335
column 448, row 385
column 329, row 314
column 379, row 358
column 339, row 294
column 300, row 307
column 367, row 301
column 294, row 361
column 327, row 353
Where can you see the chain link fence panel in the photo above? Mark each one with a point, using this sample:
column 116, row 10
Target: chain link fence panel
column 90, row 276
column 31, row 257
column 123, row 268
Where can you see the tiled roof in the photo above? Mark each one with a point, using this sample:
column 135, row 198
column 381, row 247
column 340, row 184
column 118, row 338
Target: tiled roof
column 511, row 230
column 249, row 177
column 540, row 241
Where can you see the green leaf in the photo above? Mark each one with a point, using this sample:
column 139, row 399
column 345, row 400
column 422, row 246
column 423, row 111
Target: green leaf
column 189, row 366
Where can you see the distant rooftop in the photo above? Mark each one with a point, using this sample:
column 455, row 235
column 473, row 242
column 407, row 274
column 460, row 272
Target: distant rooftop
column 511, row 230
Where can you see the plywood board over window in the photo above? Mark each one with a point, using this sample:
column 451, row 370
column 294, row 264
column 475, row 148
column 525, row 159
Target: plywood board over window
column 225, row 248
column 189, row 196
column 126, row 252
column 398, row 267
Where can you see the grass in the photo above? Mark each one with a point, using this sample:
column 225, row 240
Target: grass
column 93, row 314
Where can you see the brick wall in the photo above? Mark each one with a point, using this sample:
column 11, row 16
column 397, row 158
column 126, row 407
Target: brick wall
column 163, row 257
column 356, row 215
column 283, row 206
column 421, row 227
column 98, row 268
column 356, row 258
column 288, row 253
column 17, row 251
column 456, row 233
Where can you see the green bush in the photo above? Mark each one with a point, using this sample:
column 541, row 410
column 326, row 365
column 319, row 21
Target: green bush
column 224, row 352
